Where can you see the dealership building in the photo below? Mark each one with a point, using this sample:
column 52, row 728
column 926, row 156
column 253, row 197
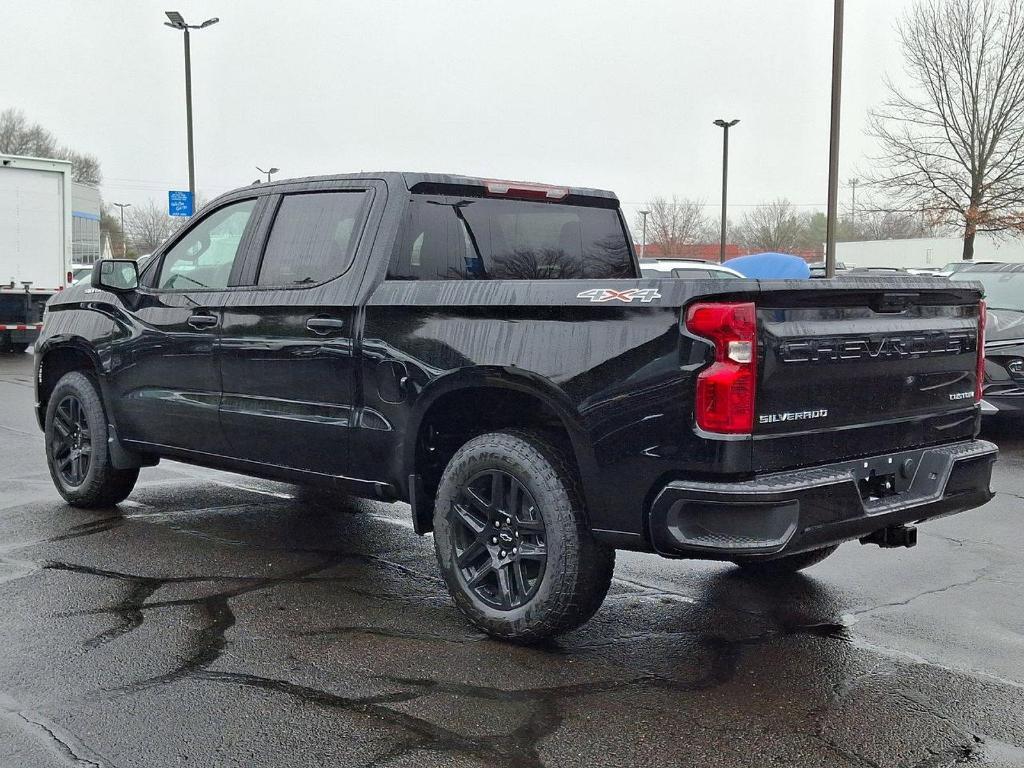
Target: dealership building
column 85, row 223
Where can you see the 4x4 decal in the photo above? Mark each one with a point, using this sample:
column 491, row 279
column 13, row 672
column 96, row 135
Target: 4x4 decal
column 646, row 295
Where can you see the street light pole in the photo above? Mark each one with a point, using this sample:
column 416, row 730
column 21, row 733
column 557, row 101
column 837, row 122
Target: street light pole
column 833, row 140
column 177, row 21
column 853, row 200
column 643, row 242
column 272, row 170
column 124, row 242
column 725, row 125
column 188, row 118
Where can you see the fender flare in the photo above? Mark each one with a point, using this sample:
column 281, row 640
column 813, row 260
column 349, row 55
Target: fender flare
column 120, row 456
column 491, row 377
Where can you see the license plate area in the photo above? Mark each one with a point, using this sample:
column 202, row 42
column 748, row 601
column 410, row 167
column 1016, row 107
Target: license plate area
column 882, row 477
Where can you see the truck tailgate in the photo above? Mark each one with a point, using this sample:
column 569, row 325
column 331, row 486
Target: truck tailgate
column 849, row 368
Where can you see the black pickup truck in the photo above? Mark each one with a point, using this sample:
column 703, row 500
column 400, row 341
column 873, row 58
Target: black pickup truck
column 486, row 351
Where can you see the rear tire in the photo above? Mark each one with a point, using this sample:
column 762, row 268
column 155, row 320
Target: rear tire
column 76, row 446
column 513, row 542
column 783, row 566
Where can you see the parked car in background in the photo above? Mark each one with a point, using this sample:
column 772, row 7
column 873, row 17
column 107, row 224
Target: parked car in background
column 686, row 268
column 818, row 268
column 955, row 266
column 1003, row 390
column 925, row 271
column 874, row 271
column 78, row 271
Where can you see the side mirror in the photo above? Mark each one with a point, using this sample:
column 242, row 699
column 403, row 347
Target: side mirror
column 117, row 275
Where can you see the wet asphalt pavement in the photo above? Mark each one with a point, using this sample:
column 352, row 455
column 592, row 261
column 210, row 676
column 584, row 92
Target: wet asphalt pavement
column 219, row 620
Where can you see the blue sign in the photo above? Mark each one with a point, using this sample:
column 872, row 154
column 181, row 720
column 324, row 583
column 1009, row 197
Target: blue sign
column 179, row 203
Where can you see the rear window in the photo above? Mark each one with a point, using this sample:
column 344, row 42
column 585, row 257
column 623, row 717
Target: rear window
column 456, row 238
column 313, row 238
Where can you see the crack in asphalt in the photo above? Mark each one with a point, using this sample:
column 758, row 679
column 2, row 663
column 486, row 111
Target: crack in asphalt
column 51, row 736
column 518, row 748
column 979, row 576
column 61, row 744
column 543, row 706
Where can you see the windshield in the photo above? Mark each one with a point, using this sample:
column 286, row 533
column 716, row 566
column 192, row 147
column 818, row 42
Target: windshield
column 1003, row 290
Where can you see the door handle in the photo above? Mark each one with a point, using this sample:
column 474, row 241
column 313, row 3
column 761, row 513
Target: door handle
column 324, row 325
column 202, row 321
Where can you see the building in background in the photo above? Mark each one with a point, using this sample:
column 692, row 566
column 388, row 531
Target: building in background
column 924, row 252
column 85, row 223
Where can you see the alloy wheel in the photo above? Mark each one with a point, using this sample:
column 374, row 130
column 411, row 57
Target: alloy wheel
column 71, row 442
column 499, row 539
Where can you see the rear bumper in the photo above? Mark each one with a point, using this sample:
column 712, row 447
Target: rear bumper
column 789, row 512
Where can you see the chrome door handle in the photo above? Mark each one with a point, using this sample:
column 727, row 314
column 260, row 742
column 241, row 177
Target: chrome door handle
column 324, row 325
column 202, row 321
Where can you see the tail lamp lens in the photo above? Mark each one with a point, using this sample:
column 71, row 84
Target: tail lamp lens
column 979, row 378
column 726, row 388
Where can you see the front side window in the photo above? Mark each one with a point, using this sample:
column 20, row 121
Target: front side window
column 453, row 238
column 204, row 256
column 313, row 238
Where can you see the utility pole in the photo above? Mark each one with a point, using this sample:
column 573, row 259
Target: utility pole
column 853, row 200
column 833, row 140
column 177, row 21
column 124, row 240
column 272, row 170
column 725, row 125
column 643, row 243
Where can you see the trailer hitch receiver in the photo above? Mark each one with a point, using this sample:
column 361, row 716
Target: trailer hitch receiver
column 892, row 537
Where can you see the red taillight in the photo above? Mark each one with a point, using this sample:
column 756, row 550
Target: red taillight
column 725, row 389
column 979, row 376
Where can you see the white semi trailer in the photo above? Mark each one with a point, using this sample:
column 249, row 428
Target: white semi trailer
column 35, row 243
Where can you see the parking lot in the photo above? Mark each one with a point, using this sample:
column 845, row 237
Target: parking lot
column 215, row 619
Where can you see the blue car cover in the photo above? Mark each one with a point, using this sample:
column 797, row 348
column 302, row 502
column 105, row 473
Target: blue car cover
column 771, row 266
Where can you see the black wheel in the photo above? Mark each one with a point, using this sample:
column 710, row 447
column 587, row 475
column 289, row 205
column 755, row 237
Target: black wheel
column 512, row 539
column 76, row 446
column 785, row 565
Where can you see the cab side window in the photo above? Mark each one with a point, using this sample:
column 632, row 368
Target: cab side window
column 204, row 256
column 313, row 238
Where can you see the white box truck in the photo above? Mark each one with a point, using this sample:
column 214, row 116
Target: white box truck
column 35, row 243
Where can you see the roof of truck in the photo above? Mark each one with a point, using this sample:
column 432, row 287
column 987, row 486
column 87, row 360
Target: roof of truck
column 412, row 179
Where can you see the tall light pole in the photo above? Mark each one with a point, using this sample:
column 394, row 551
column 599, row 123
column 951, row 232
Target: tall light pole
column 268, row 172
column 124, row 242
column 853, row 199
column 643, row 242
column 177, row 21
column 833, row 140
column 725, row 125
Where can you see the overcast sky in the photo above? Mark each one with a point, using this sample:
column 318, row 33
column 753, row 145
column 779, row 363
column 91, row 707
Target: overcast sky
column 618, row 95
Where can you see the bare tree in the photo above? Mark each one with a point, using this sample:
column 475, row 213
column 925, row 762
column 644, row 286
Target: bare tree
column 147, row 226
column 20, row 137
column 674, row 223
column 954, row 141
column 773, row 226
column 881, row 224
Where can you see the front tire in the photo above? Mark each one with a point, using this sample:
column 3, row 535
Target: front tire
column 76, row 446
column 784, row 566
column 512, row 539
